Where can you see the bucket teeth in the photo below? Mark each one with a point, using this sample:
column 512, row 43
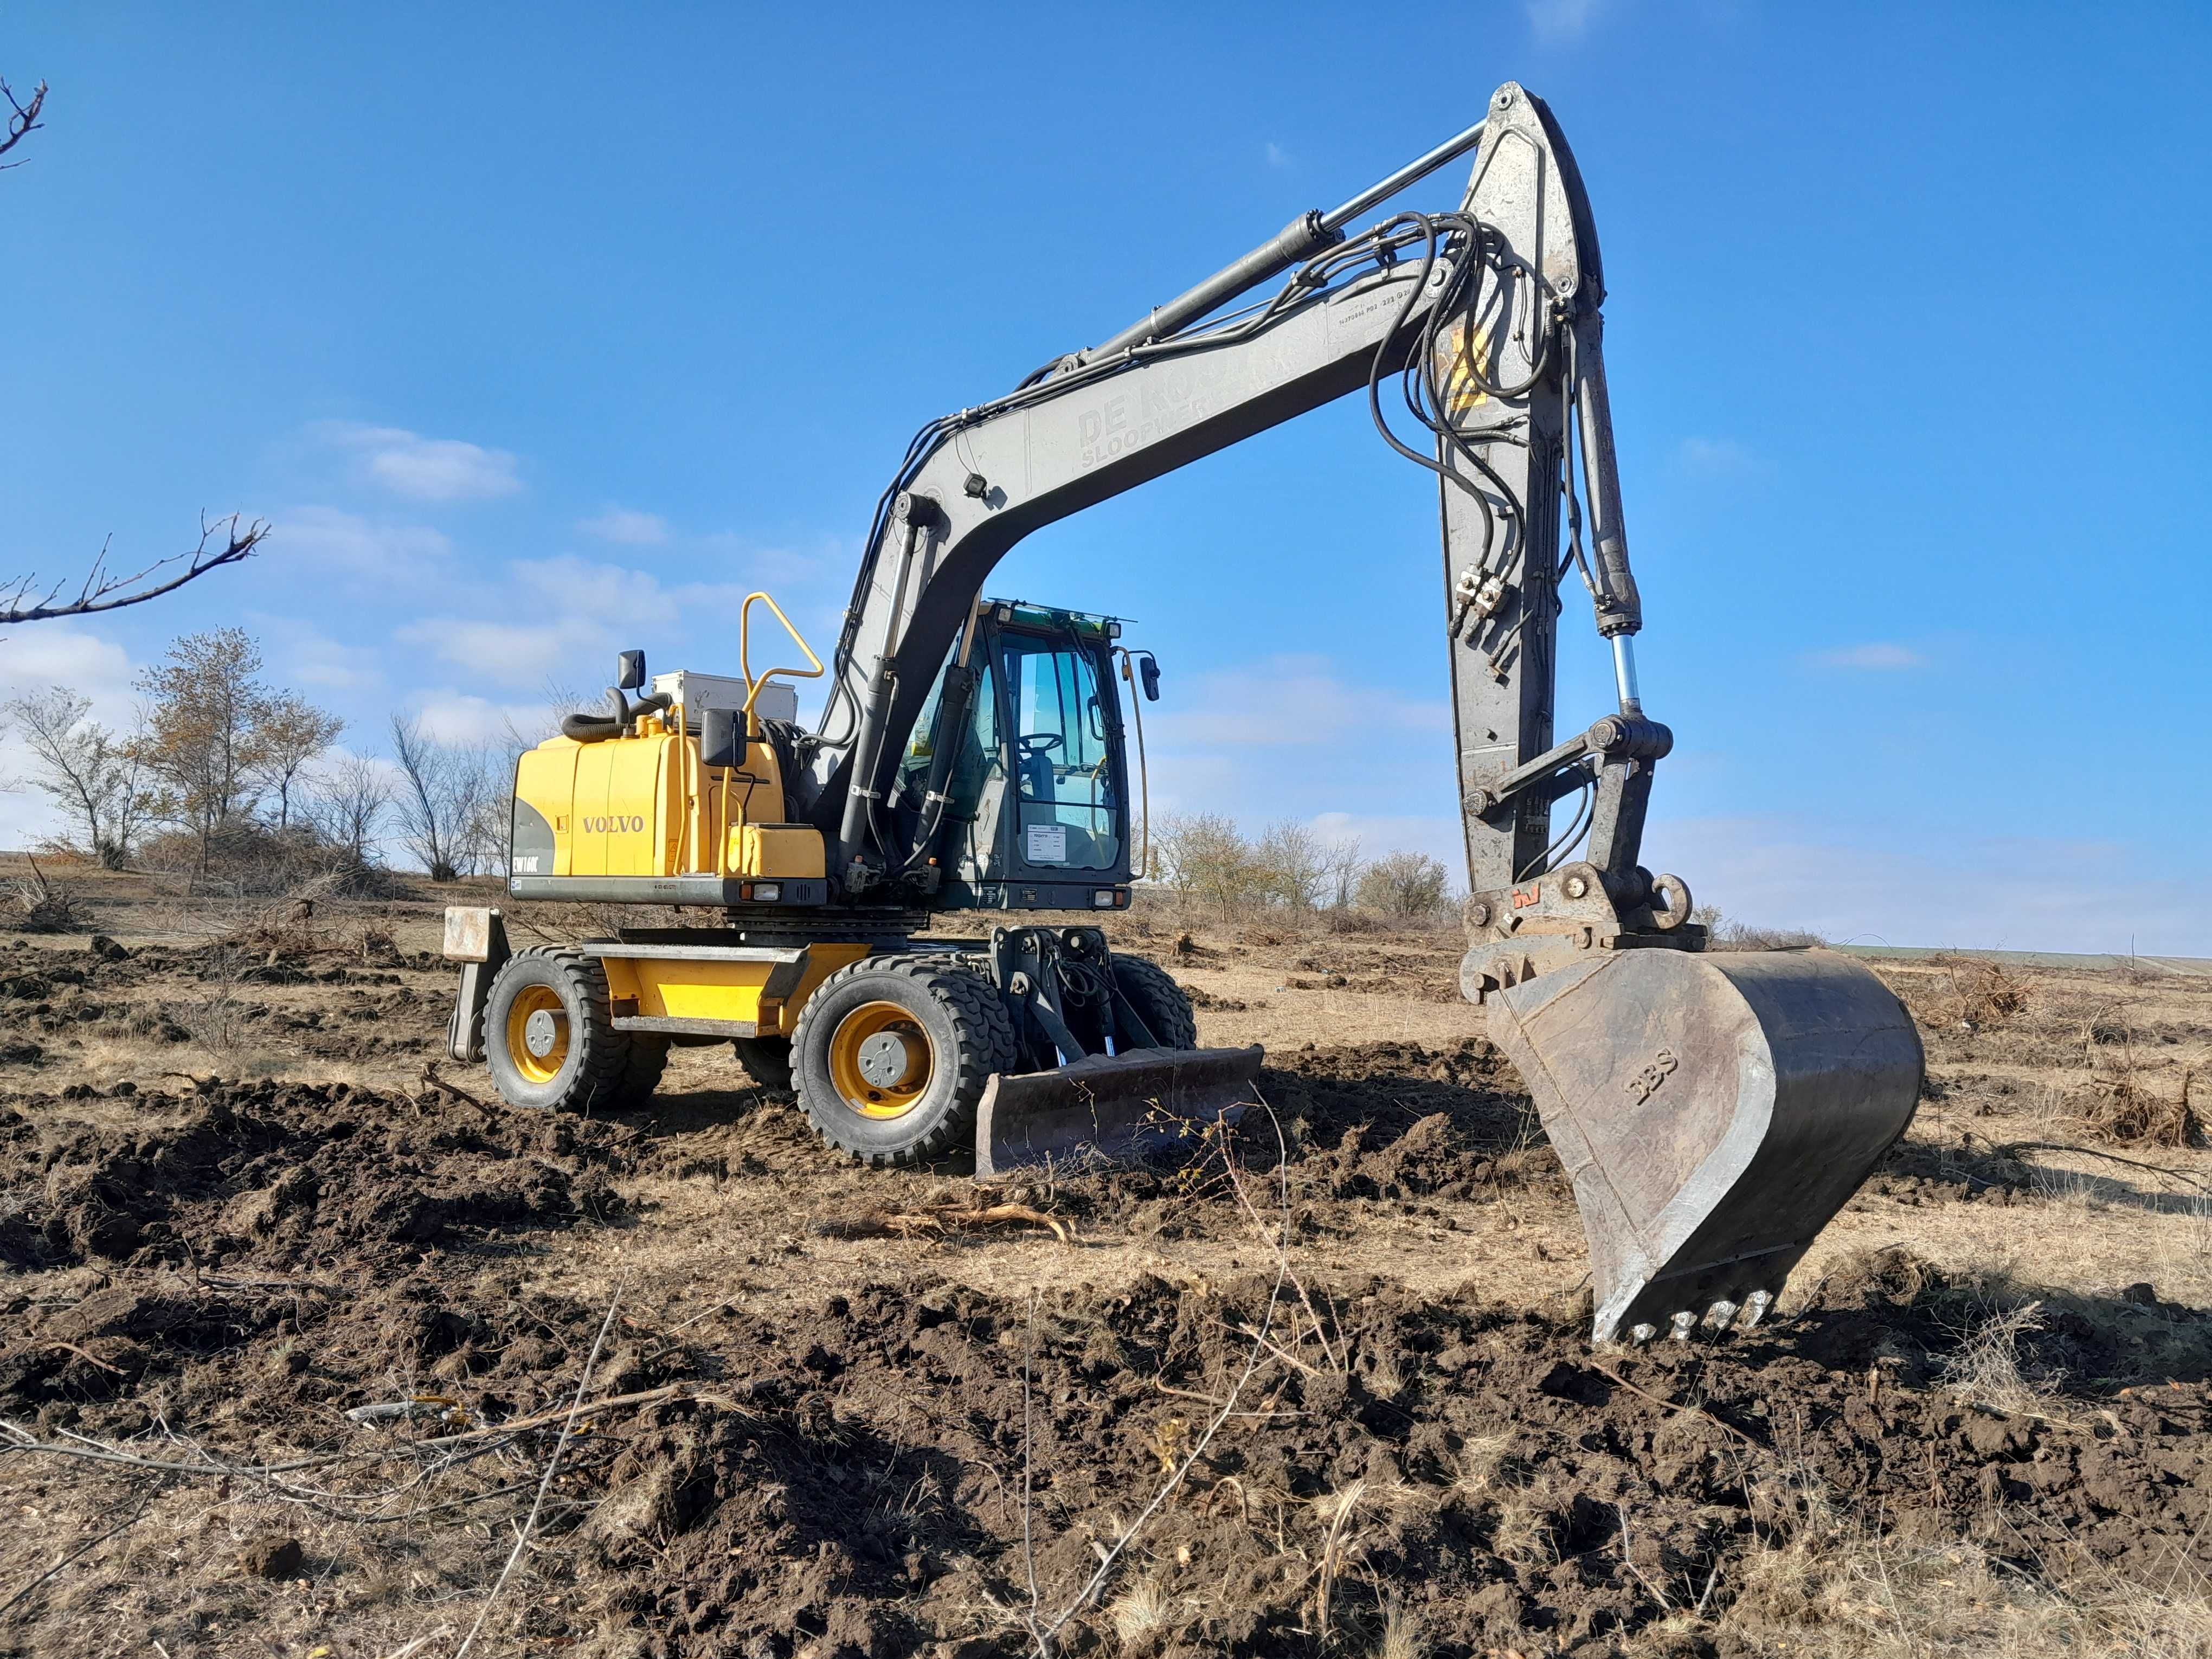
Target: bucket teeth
column 1643, row 1333
column 1713, row 1112
column 1754, row 1309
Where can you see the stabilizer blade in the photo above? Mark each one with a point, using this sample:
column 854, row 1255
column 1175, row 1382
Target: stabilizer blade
column 1111, row 1106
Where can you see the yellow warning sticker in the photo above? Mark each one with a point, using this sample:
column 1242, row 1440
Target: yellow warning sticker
column 1466, row 367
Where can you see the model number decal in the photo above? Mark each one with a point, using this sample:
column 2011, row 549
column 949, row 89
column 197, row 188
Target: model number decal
column 617, row 824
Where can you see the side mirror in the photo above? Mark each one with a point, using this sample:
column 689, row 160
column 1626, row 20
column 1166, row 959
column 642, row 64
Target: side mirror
column 629, row 669
column 1149, row 667
column 722, row 736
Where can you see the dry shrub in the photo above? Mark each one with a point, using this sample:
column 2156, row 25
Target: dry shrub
column 1140, row 1611
column 219, row 1021
column 40, row 906
column 1973, row 995
column 1989, row 1371
column 2116, row 1106
column 1824, row 1586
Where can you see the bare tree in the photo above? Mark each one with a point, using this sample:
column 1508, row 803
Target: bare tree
column 204, row 715
column 1405, row 884
column 293, row 731
column 1202, row 856
column 1293, row 867
column 93, row 774
column 226, row 541
column 447, row 791
column 346, row 800
column 1343, row 862
column 22, row 118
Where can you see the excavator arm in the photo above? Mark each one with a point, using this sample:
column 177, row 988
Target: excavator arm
column 1713, row 1115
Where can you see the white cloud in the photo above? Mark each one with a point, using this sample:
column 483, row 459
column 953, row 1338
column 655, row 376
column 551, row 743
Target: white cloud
column 508, row 654
column 1381, row 833
column 577, row 609
column 335, row 539
column 425, row 469
column 1878, row 657
column 306, row 656
column 1992, row 893
column 779, row 564
column 1290, row 699
column 34, row 659
column 1277, row 155
column 630, row 529
column 451, row 716
column 1719, row 459
column 1560, row 23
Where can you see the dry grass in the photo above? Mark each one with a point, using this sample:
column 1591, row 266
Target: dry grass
column 1140, row 1611
column 1988, row 1370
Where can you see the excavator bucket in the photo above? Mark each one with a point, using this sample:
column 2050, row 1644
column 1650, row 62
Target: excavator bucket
column 1111, row 1106
column 1714, row 1113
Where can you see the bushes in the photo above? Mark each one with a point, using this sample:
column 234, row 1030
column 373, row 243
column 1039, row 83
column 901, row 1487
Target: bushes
column 1205, row 860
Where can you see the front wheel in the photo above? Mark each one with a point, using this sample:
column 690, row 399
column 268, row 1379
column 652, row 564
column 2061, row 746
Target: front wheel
column 1158, row 1001
column 891, row 1055
column 549, row 1035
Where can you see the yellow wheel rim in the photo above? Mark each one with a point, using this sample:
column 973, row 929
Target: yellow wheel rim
column 886, row 1077
column 537, row 1033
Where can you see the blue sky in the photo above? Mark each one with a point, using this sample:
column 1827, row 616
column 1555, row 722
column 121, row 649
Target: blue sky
column 543, row 331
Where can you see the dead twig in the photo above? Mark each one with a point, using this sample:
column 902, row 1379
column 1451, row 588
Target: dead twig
column 913, row 1224
column 552, row 1466
column 1177, row 1476
column 220, row 542
column 2013, row 1148
column 22, row 118
column 430, row 1079
column 1710, row 1417
column 89, row 1545
column 89, row 1359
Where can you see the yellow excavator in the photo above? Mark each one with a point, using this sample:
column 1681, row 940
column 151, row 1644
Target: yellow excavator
column 1714, row 1110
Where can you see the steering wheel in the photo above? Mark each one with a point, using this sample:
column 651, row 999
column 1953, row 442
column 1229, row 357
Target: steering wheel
column 1033, row 744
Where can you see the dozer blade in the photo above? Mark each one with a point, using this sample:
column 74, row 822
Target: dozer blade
column 1111, row 1106
column 1713, row 1112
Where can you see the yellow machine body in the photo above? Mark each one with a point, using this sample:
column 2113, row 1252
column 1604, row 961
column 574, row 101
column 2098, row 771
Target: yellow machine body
column 638, row 817
column 759, row 994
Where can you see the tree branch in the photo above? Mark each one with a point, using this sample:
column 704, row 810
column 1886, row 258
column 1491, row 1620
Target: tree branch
column 224, row 542
column 22, row 118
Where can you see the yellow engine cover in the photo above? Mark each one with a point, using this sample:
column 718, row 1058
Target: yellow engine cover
column 638, row 817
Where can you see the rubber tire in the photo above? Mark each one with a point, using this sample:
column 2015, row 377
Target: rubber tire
column 964, row 1018
column 593, row 1078
column 641, row 1070
column 767, row 1061
column 1158, row 1000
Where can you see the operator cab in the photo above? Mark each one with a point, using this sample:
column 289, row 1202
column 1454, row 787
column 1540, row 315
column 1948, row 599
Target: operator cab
column 1037, row 782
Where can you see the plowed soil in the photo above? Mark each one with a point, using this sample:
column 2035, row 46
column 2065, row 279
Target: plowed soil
column 1323, row 1387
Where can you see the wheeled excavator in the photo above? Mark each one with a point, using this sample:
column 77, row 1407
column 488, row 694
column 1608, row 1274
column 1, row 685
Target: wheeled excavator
column 1714, row 1110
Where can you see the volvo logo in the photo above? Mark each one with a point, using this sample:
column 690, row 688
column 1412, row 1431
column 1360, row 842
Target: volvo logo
column 616, row 824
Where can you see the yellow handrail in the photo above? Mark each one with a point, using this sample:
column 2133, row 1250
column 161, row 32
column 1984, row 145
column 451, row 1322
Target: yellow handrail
column 745, row 652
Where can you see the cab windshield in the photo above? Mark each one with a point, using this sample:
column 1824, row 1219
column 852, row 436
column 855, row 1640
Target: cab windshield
column 1062, row 755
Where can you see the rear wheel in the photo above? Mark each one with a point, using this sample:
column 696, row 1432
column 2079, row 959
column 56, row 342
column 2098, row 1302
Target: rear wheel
column 641, row 1068
column 767, row 1061
column 1158, row 1000
column 891, row 1054
column 549, row 1035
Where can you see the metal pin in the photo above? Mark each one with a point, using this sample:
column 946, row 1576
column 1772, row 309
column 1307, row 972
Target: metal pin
column 1681, row 1324
column 1755, row 1306
column 1641, row 1335
column 1718, row 1317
